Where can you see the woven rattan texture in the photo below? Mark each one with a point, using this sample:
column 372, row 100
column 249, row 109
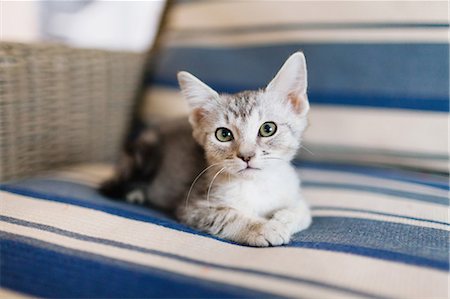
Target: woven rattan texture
column 60, row 105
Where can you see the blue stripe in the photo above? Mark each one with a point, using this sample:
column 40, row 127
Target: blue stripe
column 427, row 179
column 384, row 236
column 331, row 208
column 421, row 246
column 205, row 31
column 380, row 101
column 378, row 190
column 47, row 270
column 402, row 76
column 182, row 258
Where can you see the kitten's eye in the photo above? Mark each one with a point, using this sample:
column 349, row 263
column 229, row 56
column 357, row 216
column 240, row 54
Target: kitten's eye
column 267, row 129
column 224, row 135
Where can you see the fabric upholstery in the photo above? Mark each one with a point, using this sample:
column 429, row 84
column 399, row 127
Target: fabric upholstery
column 376, row 233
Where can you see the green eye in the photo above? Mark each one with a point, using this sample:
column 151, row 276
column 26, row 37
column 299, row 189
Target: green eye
column 224, row 135
column 267, row 129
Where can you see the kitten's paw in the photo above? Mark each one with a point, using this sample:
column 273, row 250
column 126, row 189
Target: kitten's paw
column 257, row 240
column 297, row 219
column 276, row 233
column 136, row 197
column 286, row 217
column 271, row 233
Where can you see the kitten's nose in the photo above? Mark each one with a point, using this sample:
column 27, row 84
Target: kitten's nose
column 246, row 156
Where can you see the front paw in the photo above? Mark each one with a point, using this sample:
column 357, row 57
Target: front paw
column 296, row 219
column 270, row 233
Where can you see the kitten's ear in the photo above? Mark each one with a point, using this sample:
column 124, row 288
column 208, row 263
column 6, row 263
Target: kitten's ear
column 201, row 99
column 196, row 93
column 291, row 82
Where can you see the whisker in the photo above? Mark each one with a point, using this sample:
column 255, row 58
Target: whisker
column 212, row 181
column 271, row 158
column 197, row 178
column 308, row 150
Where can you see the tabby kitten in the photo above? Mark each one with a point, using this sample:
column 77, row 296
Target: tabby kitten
column 233, row 179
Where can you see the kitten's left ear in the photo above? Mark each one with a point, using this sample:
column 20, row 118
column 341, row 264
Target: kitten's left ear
column 197, row 93
column 291, row 82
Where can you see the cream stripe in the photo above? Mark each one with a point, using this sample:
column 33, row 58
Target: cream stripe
column 401, row 130
column 236, row 13
column 408, row 131
column 439, row 35
column 99, row 170
column 73, row 177
column 375, row 202
column 5, row 293
column 386, row 278
column 89, row 174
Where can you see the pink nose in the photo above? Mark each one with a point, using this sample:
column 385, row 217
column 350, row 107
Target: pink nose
column 245, row 157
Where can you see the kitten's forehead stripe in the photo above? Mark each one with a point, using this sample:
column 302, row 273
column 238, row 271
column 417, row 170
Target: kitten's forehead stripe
column 241, row 104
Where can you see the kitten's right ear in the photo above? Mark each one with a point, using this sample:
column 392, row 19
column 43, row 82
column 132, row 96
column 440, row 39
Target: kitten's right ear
column 197, row 94
column 291, row 83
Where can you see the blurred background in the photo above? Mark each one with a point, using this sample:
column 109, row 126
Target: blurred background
column 109, row 25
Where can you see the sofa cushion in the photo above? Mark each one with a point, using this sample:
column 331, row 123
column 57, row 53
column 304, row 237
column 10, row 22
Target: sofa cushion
column 378, row 71
column 377, row 232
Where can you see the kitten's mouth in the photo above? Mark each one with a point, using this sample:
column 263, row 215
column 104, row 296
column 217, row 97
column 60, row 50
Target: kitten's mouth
column 248, row 168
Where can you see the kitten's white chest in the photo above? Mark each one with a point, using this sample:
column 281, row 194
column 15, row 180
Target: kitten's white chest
column 265, row 194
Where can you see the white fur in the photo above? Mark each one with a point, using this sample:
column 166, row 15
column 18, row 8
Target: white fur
column 195, row 91
column 292, row 76
column 265, row 192
column 136, row 196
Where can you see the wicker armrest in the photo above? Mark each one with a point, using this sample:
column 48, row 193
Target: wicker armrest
column 62, row 105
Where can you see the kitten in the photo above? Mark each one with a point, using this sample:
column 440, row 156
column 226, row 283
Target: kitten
column 233, row 179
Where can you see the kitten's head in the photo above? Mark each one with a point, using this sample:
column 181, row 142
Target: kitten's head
column 252, row 130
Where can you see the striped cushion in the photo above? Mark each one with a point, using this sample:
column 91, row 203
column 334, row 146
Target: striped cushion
column 378, row 71
column 376, row 232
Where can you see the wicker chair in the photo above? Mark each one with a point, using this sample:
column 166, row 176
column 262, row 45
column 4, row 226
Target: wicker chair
column 61, row 105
